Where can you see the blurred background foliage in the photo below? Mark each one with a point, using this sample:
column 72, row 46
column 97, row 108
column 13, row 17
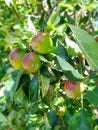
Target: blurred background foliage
column 21, row 105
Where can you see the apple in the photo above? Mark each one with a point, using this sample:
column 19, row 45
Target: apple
column 72, row 89
column 31, row 62
column 15, row 57
column 61, row 111
column 41, row 43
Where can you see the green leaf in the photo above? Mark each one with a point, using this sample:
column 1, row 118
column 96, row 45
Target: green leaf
column 20, row 96
column 92, row 95
column 88, row 46
column 3, row 118
column 24, row 84
column 42, row 24
column 52, row 119
column 62, row 52
column 80, row 121
column 69, row 70
column 24, row 81
column 34, row 89
column 68, row 6
column 49, row 95
column 54, row 18
column 17, row 80
column 42, row 58
column 45, row 84
column 11, row 86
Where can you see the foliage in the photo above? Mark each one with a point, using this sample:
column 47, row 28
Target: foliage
column 31, row 102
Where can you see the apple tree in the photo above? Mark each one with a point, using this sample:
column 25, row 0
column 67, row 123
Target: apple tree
column 48, row 65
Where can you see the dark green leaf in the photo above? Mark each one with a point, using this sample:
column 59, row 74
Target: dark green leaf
column 42, row 24
column 53, row 119
column 62, row 52
column 44, row 70
column 34, row 89
column 24, row 81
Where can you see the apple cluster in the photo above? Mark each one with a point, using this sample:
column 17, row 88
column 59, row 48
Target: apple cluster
column 41, row 43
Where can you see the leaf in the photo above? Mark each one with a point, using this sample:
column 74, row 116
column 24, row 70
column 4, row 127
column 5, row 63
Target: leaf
column 68, row 6
column 44, row 71
column 20, row 96
column 54, row 18
column 42, row 24
column 45, row 84
column 49, row 95
column 24, row 81
column 3, row 118
column 69, row 70
column 80, row 121
column 17, row 80
column 31, row 26
column 24, row 84
column 92, row 95
column 62, row 52
column 53, row 119
column 34, row 89
column 88, row 46
column 11, row 86
column 42, row 58
column 8, row 2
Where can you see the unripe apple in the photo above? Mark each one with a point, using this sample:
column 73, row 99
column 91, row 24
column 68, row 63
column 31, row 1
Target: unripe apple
column 41, row 43
column 31, row 62
column 72, row 89
column 15, row 57
column 61, row 111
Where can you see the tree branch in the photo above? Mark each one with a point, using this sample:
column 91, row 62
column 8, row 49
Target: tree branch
column 17, row 15
column 51, row 10
column 49, row 4
column 26, row 2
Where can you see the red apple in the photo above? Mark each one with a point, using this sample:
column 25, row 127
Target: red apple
column 15, row 57
column 31, row 62
column 72, row 89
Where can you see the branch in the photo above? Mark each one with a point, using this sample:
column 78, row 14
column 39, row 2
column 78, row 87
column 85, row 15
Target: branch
column 34, row 104
column 26, row 2
column 56, row 4
column 90, row 21
column 49, row 4
column 17, row 15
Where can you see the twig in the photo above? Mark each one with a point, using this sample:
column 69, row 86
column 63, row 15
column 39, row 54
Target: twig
column 17, row 15
column 56, row 4
column 90, row 21
column 26, row 2
column 49, row 4
column 34, row 104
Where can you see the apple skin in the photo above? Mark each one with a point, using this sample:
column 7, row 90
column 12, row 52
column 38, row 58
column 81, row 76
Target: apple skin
column 31, row 62
column 15, row 57
column 72, row 89
column 41, row 43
